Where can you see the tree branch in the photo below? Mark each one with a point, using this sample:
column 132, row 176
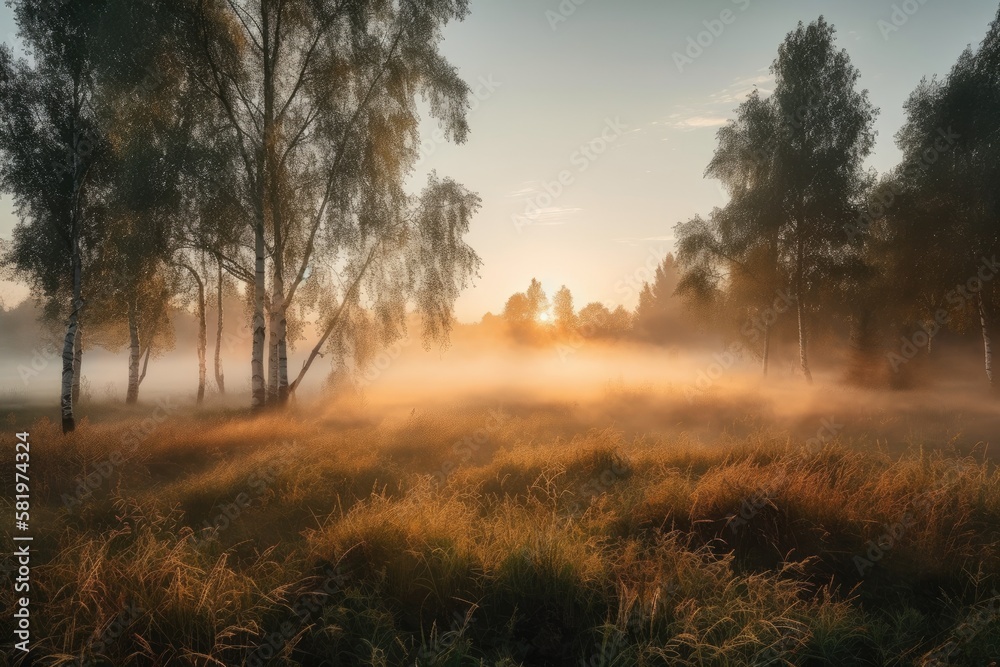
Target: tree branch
column 310, row 244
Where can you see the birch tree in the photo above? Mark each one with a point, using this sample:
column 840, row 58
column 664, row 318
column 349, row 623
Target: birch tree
column 792, row 164
column 826, row 136
column 50, row 141
column 413, row 257
column 735, row 256
column 220, row 376
column 202, row 344
column 150, row 120
column 943, row 223
column 321, row 99
column 78, row 154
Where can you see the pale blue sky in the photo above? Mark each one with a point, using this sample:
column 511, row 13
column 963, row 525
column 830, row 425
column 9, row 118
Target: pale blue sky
column 557, row 88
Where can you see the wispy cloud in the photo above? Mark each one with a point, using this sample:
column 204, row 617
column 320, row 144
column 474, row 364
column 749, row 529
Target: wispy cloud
column 532, row 213
column 691, row 119
column 525, row 190
column 697, row 122
column 554, row 215
column 740, row 88
column 715, row 110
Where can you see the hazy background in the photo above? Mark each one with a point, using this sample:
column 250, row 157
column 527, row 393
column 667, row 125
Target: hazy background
column 613, row 58
column 696, row 390
column 545, row 87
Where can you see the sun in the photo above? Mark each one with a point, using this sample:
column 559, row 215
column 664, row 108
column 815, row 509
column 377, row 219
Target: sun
column 544, row 318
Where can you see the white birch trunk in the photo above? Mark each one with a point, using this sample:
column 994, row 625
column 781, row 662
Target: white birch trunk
column 76, row 266
column 134, row 354
column 800, row 307
column 77, row 363
column 145, row 362
column 987, row 344
column 258, row 390
column 277, row 306
column 202, row 336
column 220, row 377
column 69, row 345
column 277, row 387
column 272, row 357
column 803, row 352
column 279, row 331
column 72, row 326
column 282, row 359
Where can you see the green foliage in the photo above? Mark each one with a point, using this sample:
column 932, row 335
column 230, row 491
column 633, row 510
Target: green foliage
column 792, row 164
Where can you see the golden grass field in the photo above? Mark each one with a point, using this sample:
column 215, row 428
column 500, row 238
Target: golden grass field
column 540, row 533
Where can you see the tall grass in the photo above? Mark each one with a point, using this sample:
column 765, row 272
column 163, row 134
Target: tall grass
column 477, row 537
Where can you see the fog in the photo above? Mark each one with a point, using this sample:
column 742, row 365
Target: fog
column 696, row 393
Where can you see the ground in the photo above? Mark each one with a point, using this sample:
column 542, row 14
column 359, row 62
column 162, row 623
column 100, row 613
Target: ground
column 622, row 531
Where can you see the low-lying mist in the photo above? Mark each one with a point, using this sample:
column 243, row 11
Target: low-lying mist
column 644, row 389
column 702, row 393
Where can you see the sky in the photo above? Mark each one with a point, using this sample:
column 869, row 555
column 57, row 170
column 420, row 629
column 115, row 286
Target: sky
column 593, row 121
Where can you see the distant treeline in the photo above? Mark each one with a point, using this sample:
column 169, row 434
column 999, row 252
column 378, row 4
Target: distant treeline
column 660, row 317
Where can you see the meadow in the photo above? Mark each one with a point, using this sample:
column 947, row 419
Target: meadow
column 752, row 426
column 609, row 531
